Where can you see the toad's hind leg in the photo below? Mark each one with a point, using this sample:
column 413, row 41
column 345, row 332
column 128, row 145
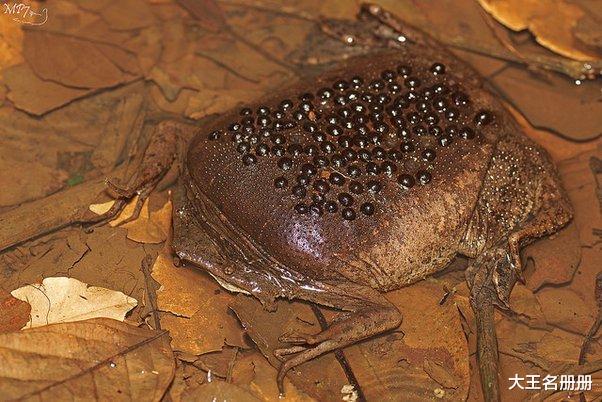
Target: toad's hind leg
column 367, row 313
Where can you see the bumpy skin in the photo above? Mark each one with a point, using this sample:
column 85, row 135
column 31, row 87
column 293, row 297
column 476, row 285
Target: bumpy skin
column 488, row 196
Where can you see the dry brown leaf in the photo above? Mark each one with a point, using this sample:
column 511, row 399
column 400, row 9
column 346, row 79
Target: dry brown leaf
column 75, row 62
column 99, row 358
column 33, row 95
column 11, row 38
column 61, row 299
column 194, row 309
column 551, row 22
column 253, row 372
column 564, row 308
column 14, row 313
column 218, row 391
column 207, row 12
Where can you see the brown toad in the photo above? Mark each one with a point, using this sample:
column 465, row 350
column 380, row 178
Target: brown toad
column 367, row 178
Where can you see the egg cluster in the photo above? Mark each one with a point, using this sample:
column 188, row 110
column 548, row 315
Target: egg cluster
column 336, row 147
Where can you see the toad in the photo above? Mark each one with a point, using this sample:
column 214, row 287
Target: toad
column 369, row 177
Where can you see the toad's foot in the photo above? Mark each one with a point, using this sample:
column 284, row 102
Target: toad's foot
column 156, row 162
column 368, row 314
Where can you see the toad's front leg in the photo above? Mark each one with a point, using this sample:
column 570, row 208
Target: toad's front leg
column 156, row 161
column 367, row 313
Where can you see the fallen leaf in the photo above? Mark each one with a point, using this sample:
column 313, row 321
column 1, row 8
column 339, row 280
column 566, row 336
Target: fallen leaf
column 253, row 372
column 33, row 95
column 11, row 37
column 551, row 22
column 61, row 299
column 564, row 308
column 194, row 308
column 98, row 358
column 218, row 391
column 75, row 62
column 14, row 313
column 218, row 363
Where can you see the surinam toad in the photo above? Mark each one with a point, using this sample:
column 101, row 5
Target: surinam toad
column 365, row 179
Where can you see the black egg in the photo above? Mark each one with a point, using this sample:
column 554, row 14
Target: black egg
column 410, row 96
column 348, row 214
column 214, row 135
column 388, row 75
column 377, row 85
column 310, row 127
column 299, row 191
column 405, row 181
column 264, row 121
column 378, row 153
column 349, row 154
column 262, row 149
column 412, row 82
column 286, row 104
column 245, row 111
column 319, row 136
column 423, row 177
column 308, row 169
column 483, row 117
column 372, row 168
column 357, row 82
column 235, row 127
column 345, row 199
column 301, row 208
column 428, row 155
column 460, row 99
column 435, row 130
column 394, row 88
column 406, row 147
column 325, row 93
column 419, row 129
column 306, row 106
column 438, row 68
column 321, row 161
column 278, row 139
column 249, row 159
column 388, row 168
column 285, row 163
column 337, row 160
column 279, row 115
column 444, row 141
column 404, row 70
column 337, row 179
column 295, row 149
column 367, row 208
column 312, row 150
column 263, row 111
column 316, row 209
column 341, row 85
column 305, row 97
column 356, row 187
column 278, row 150
column 374, row 186
column 431, row 118
column 331, row 206
column 439, row 89
column 451, row 130
column 352, row 96
column 364, row 155
column 344, row 112
column 466, row 132
column 317, row 198
column 452, row 114
column 321, row 186
column 395, row 155
column 327, row 147
column 439, row 104
column 280, row 182
column 354, row 171
column 303, row 180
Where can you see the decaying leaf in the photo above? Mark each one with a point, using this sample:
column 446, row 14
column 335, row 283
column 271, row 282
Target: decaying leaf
column 14, row 313
column 149, row 227
column 551, row 22
column 11, row 37
column 98, row 358
column 61, row 299
column 218, row 391
column 194, row 308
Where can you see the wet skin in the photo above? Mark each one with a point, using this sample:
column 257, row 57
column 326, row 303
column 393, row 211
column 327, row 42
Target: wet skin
column 367, row 178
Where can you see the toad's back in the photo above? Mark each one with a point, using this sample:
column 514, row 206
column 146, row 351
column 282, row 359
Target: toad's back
column 368, row 172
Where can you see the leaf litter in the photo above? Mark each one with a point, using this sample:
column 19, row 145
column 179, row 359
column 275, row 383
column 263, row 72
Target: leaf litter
column 198, row 59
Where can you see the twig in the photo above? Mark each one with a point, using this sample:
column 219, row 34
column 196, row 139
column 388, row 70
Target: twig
column 341, row 357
